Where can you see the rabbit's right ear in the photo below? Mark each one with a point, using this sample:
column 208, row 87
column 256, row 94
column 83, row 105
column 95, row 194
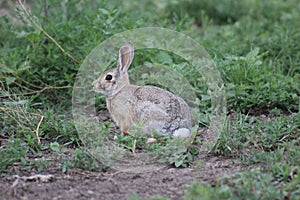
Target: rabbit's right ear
column 126, row 54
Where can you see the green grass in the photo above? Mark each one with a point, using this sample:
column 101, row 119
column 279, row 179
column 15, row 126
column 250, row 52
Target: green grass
column 255, row 45
column 255, row 184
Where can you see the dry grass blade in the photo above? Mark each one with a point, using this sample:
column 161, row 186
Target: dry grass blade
column 30, row 18
column 40, row 91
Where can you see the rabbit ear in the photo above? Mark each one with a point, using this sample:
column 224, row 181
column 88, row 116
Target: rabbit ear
column 126, row 54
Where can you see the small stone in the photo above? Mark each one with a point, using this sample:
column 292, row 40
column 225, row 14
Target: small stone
column 151, row 140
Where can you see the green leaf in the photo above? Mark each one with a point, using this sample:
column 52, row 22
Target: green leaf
column 54, row 146
column 178, row 163
column 5, row 69
column 252, row 54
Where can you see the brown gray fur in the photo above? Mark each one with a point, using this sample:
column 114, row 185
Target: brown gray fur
column 155, row 108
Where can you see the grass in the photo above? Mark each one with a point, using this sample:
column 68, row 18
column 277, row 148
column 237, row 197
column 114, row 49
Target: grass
column 255, row 45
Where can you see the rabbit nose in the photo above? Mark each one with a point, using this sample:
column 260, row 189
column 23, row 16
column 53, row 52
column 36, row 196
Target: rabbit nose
column 94, row 83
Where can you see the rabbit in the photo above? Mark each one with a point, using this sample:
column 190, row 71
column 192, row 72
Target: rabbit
column 159, row 110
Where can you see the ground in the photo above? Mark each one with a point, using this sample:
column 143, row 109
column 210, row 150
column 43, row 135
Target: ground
column 117, row 183
column 77, row 184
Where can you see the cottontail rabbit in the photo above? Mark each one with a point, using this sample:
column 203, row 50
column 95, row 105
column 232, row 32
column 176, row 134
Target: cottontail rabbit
column 157, row 109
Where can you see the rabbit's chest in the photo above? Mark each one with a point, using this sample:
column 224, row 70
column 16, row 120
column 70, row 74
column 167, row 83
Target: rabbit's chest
column 120, row 110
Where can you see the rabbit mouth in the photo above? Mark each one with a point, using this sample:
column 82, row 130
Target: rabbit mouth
column 99, row 89
column 103, row 92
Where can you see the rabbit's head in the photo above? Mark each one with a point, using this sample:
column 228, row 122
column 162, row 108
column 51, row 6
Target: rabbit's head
column 112, row 81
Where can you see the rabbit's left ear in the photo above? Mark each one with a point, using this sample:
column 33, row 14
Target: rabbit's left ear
column 126, row 54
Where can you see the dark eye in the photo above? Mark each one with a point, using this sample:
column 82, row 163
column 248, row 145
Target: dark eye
column 108, row 77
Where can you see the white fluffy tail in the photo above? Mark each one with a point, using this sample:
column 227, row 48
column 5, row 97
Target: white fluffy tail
column 182, row 132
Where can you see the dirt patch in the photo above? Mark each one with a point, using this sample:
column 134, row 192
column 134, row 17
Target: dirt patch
column 118, row 183
column 78, row 184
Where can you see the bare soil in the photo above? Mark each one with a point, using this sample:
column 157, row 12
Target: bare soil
column 78, row 184
column 117, row 183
